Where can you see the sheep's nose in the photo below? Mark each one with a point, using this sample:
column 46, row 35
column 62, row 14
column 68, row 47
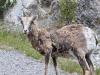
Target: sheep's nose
column 25, row 31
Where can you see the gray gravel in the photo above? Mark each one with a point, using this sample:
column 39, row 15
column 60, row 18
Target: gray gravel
column 16, row 63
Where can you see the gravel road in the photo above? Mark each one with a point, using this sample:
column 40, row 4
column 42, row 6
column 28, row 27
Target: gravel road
column 15, row 63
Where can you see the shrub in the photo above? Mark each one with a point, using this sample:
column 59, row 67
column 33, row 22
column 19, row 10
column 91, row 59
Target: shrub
column 68, row 10
column 6, row 3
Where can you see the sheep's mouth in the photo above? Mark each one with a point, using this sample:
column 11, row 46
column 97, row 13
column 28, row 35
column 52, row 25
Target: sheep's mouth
column 25, row 33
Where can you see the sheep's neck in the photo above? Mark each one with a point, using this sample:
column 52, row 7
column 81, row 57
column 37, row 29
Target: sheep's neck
column 35, row 31
column 33, row 37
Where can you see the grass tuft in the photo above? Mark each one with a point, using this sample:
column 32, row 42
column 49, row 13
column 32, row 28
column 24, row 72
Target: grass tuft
column 19, row 42
column 69, row 65
column 98, row 72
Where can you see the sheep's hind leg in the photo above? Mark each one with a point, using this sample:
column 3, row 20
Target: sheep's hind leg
column 85, row 67
column 55, row 63
column 90, row 64
column 82, row 61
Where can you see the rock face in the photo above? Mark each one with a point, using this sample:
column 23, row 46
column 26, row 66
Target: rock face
column 31, row 8
column 88, row 12
column 95, row 57
column 22, row 7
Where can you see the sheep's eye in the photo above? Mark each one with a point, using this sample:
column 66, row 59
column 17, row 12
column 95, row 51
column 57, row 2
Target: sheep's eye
column 21, row 22
column 31, row 22
column 29, row 28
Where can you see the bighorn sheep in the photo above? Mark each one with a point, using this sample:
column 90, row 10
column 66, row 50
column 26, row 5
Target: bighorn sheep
column 79, row 40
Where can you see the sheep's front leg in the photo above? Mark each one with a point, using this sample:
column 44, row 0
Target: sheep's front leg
column 90, row 64
column 47, row 56
column 55, row 63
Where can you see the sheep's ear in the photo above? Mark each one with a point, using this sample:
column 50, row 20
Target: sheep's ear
column 19, row 18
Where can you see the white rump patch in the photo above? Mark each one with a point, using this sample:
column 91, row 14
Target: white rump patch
column 90, row 38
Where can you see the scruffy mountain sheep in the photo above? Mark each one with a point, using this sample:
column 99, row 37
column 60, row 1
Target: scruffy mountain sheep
column 72, row 39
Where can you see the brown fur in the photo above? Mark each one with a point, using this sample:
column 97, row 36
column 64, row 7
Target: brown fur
column 70, row 37
column 60, row 43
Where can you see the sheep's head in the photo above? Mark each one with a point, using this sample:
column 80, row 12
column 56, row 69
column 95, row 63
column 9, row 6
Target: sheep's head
column 27, row 22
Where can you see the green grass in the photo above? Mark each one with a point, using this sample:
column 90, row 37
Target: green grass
column 98, row 72
column 69, row 66
column 19, row 42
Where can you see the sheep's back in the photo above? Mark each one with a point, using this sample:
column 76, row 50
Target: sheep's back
column 77, row 36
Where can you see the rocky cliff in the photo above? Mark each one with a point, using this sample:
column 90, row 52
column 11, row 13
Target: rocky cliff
column 88, row 13
column 42, row 8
